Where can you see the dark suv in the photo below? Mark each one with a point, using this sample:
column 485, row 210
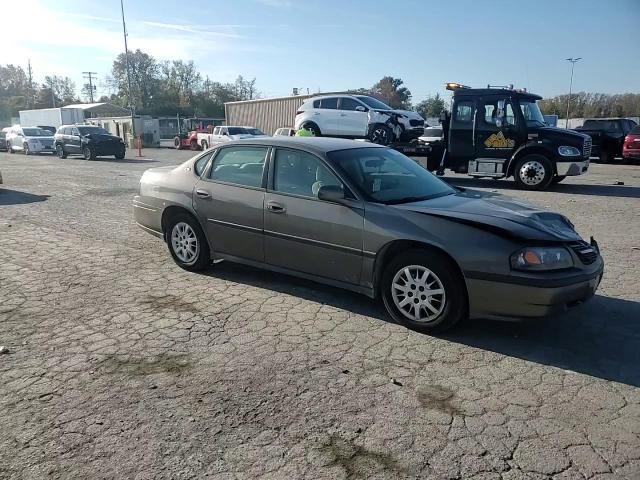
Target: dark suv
column 89, row 141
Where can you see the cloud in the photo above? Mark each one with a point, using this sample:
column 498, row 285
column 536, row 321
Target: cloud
column 197, row 29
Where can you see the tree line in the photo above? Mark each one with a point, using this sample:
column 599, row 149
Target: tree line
column 167, row 88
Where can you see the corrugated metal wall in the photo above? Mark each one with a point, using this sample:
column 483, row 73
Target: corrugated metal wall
column 268, row 114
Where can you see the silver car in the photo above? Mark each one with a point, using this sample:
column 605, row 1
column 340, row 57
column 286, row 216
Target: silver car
column 368, row 219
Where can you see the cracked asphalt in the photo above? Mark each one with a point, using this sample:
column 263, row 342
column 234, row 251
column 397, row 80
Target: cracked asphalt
column 122, row 365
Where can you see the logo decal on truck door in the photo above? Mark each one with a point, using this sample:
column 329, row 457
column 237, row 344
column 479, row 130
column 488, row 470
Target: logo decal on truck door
column 498, row 140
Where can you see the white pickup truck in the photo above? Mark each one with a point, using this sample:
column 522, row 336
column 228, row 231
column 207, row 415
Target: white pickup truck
column 226, row 134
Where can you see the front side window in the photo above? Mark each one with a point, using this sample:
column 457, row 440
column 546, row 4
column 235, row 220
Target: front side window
column 531, row 113
column 239, row 165
column 329, row 103
column 492, row 110
column 300, row 173
column 463, row 112
column 386, row 176
column 347, row 103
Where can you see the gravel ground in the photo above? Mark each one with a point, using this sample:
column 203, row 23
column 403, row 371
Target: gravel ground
column 122, row 365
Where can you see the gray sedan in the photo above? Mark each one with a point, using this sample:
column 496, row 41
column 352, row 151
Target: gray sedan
column 368, row 219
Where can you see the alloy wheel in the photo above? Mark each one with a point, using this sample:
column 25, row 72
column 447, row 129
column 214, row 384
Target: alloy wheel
column 380, row 136
column 418, row 293
column 185, row 243
column 532, row 173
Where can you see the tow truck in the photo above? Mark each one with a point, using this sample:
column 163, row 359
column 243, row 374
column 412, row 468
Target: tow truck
column 499, row 132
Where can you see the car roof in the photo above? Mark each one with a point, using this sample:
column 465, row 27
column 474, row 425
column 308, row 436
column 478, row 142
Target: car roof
column 318, row 145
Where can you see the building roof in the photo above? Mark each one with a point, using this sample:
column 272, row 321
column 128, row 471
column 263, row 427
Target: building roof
column 101, row 109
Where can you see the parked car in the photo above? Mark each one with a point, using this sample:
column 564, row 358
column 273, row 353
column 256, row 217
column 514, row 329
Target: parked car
column 607, row 135
column 432, row 135
column 3, row 140
column 358, row 116
column 227, row 134
column 367, row 218
column 285, row 132
column 631, row 146
column 29, row 140
column 90, row 141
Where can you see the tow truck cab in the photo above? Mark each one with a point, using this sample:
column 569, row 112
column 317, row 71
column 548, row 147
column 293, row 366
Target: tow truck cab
column 500, row 132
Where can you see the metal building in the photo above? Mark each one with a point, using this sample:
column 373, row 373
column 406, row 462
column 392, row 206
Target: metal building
column 267, row 114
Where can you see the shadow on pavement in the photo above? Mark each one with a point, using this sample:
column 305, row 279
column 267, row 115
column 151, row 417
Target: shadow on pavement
column 586, row 189
column 15, row 197
column 125, row 160
column 599, row 338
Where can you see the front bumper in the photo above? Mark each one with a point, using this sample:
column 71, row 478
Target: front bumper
column 108, row 148
column 631, row 153
column 499, row 299
column 39, row 147
column 411, row 133
column 572, row 167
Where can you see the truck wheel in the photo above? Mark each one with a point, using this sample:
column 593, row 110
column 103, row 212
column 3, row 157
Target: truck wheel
column 423, row 291
column 533, row 172
column 9, row 149
column 381, row 134
column 88, row 153
column 605, row 157
column 177, row 143
column 205, row 145
column 558, row 179
column 313, row 128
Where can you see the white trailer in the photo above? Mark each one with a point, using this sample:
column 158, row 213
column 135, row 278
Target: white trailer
column 51, row 117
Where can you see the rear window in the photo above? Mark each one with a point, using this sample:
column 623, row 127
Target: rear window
column 635, row 130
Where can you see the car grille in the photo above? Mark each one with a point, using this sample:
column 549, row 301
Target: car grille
column 46, row 143
column 585, row 252
column 416, row 123
column 586, row 147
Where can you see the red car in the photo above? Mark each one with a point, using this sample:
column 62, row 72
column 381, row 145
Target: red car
column 631, row 145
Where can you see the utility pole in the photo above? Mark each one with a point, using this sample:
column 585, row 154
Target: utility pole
column 30, row 99
column 126, row 54
column 89, row 75
column 573, row 63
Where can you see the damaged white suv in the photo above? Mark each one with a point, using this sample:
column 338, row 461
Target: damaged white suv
column 358, row 116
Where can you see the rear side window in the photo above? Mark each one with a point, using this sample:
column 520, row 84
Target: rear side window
column 316, row 104
column 329, row 103
column 239, row 165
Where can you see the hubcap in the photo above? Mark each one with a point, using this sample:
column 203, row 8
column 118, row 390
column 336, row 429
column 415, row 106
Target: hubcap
column 532, row 173
column 379, row 136
column 185, row 243
column 418, row 293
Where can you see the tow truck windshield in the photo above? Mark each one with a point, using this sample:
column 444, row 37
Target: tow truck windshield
column 532, row 114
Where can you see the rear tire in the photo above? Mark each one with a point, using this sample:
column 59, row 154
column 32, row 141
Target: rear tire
column 187, row 243
column 177, row 143
column 533, row 172
column 430, row 298
column 313, row 128
column 60, row 151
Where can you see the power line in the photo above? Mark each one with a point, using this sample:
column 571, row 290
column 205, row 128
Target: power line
column 89, row 76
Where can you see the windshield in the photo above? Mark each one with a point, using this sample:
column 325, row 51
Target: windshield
column 374, row 103
column 532, row 114
column 386, row 176
column 254, row 131
column 94, row 130
column 35, row 132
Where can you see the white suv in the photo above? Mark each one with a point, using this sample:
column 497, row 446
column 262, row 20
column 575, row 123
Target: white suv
column 358, row 116
column 29, row 140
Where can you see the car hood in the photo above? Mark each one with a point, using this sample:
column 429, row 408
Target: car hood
column 405, row 113
column 102, row 137
column 503, row 215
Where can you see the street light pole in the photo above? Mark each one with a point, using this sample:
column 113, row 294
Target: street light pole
column 573, row 63
column 126, row 54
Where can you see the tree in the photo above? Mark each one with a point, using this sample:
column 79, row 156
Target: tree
column 431, row 107
column 391, row 91
column 144, row 72
column 63, row 88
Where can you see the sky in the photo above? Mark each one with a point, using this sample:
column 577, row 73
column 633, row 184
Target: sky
column 332, row 45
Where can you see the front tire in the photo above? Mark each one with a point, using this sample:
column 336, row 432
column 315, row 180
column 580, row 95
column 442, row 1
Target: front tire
column 187, row 243
column 605, row 157
column 25, row 149
column 88, row 153
column 205, row 145
column 177, row 143
column 533, row 172
column 60, row 151
column 9, row 149
column 194, row 145
column 120, row 154
column 381, row 134
column 423, row 290
column 313, row 128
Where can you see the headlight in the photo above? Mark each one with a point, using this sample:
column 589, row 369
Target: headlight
column 541, row 258
column 567, row 151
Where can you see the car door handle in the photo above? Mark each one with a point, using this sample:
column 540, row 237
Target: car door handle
column 276, row 207
column 343, row 114
column 316, row 113
column 202, row 193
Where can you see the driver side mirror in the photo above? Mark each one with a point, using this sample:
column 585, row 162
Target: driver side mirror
column 331, row 193
column 360, row 108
